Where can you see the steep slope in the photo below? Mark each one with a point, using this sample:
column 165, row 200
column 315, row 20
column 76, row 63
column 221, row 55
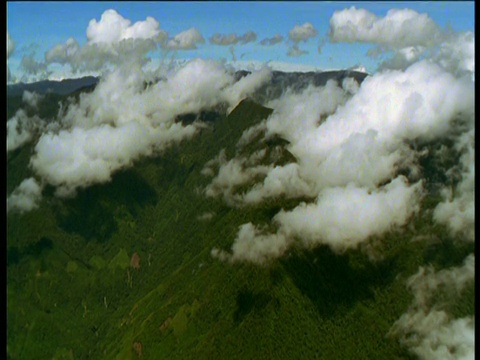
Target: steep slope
column 76, row 289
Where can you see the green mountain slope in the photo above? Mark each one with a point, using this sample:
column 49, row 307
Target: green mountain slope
column 75, row 289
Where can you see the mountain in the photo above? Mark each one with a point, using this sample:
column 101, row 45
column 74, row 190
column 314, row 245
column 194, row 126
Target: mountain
column 298, row 81
column 124, row 270
column 279, row 80
column 62, row 87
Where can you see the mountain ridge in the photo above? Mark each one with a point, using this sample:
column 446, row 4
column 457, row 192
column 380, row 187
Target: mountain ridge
column 68, row 86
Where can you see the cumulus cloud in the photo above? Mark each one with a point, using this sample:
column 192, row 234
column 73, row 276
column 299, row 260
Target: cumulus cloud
column 63, row 53
column 32, row 66
column 18, row 130
column 343, row 217
column 25, row 197
column 233, row 39
column 31, row 99
column 302, row 33
column 402, row 58
column 186, row 40
column 276, row 39
column 253, row 245
column 457, row 53
column 113, row 40
column 122, row 120
column 232, row 174
column 100, row 56
column 113, row 28
column 399, row 28
column 407, row 36
column 350, row 84
column 21, row 128
column 429, row 332
column 457, row 210
column 246, row 85
column 88, row 156
column 349, row 144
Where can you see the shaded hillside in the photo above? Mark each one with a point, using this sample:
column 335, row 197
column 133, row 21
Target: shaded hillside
column 127, row 265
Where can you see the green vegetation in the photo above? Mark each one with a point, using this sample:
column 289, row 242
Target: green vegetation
column 72, row 293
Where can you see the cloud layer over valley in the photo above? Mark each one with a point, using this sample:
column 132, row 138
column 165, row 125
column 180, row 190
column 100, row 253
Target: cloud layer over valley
column 124, row 119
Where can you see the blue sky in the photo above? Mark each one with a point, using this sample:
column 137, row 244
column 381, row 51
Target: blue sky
column 38, row 26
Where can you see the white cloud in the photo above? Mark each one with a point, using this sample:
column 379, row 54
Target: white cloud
column 279, row 180
column 403, row 58
column 121, row 120
column 302, row 32
column 399, row 28
column 21, row 129
column 111, row 41
column 252, row 245
column 432, row 333
column 419, row 102
column 31, row 99
column 343, row 217
column 348, row 143
column 407, row 36
column 351, row 85
column 249, row 134
column 33, row 67
column 81, row 157
column 25, row 197
column 246, row 85
column 113, row 28
column 457, row 54
column 101, row 56
column 186, row 40
column 457, row 210
column 63, row 53
column 232, row 174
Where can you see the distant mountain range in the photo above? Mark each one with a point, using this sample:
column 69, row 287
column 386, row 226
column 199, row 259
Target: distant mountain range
column 63, row 87
column 280, row 80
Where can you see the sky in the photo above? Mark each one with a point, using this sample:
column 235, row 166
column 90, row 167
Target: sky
column 36, row 27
